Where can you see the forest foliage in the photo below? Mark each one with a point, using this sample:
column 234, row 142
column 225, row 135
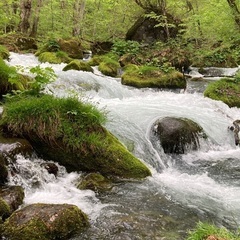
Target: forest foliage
column 108, row 20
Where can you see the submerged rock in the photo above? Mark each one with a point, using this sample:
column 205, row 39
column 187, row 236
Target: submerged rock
column 45, row 222
column 95, row 182
column 177, row 135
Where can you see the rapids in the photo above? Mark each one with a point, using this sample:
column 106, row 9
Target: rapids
column 198, row 186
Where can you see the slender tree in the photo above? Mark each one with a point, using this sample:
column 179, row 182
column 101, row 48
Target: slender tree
column 78, row 14
column 36, row 18
column 235, row 10
column 25, row 13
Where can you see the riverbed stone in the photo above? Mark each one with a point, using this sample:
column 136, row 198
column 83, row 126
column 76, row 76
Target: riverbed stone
column 45, row 222
column 11, row 197
column 178, row 135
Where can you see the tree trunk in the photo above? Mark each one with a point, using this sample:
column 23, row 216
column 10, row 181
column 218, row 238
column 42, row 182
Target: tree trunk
column 36, row 19
column 78, row 14
column 235, row 11
column 25, row 12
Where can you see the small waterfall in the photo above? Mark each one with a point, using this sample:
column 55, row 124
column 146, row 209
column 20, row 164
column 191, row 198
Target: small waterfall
column 200, row 185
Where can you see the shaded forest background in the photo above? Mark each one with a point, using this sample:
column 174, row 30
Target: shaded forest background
column 108, row 20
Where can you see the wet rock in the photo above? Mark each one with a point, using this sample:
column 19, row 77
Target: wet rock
column 95, row 182
column 11, row 197
column 10, row 147
column 3, row 171
column 45, row 222
column 52, row 168
column 178, row 135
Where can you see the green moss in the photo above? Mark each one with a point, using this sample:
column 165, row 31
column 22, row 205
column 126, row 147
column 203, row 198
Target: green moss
column 54, row 57
column 109, row 67
column 4, row 53
column 226, row 90
column 70, row 132
column 149, row 76
column 78, row 65
column 96, row 60
column 5, row 210
column 204, row 230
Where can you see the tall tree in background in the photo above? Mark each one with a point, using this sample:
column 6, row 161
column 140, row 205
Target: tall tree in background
column 235, row 10
column 25, row 13
column 36, row 18
column 78, row 14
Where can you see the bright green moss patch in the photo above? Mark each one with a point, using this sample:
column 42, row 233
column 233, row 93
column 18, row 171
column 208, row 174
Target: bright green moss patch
column 205, row 231
column 226, row 90
column 54, row 57
column 109, row 67
column 70, row 132
column 78, row 65
column 149, row 76
column 5, row 210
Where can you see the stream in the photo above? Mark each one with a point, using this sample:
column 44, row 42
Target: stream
column 201, row 185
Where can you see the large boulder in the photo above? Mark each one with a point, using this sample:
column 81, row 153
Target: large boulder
column 70, row 132
column 45, row 222
column 72, row 47
column 177, row 135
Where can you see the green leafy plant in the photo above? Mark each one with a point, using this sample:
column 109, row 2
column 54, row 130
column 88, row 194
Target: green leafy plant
column 122, row 47
column 204, row 230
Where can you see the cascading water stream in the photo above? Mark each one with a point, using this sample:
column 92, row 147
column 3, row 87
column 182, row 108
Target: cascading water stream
column 198, row 185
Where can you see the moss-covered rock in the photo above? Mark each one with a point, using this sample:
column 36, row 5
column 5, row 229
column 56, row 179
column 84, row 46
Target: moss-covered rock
column 54, row 57
column 95, row 182
column 153, row 77
column 5, row 211
column 70, row 132
column 109, row 67
column 177, row 135
column 72, row 47
column 12, row 196
column 4, row 53
column 78, row 65
column 45, row 222
column 226, row 90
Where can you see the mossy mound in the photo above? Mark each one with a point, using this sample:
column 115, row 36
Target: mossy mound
column 45, row 222
column 70, row 132
column 78, row 65
column 7, row 73
column 109, row 67
column 226, row 90
column 4, row 53
column 4, row 210
column 153, row 77
column 54, row 57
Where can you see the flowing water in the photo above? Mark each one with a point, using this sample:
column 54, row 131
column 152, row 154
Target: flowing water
column 202, row 185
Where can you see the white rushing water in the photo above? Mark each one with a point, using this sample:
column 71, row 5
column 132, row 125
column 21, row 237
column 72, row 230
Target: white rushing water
column 205, row 180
